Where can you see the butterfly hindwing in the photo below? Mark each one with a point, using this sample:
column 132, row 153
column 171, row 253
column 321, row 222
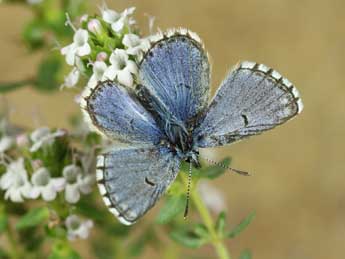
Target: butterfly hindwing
column 175, row 73
column 252, row 99
column 114, row 111
column 132, row 179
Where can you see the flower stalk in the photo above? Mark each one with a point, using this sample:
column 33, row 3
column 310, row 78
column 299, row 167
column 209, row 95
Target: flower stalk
column 205, row 215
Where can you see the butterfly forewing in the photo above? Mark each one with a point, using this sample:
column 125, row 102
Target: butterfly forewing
column 175, row 72
column 112, row 110
column 252, row 99
column 132, row 179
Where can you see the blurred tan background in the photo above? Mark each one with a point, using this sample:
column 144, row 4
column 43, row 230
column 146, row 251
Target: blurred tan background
column 298, row 184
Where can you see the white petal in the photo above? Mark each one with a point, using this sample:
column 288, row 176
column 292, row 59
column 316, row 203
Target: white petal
column 110, row 16
column 80, row 37
column 14, row 195
column 84, row 50
column 99, row 68
column 48, row 193
column 118, row 25
column 110, row 73
column 5, row 143
column 34, row 192
column 125, row 77
column 72, row 78
column 129, row 11
column 72, row 194
column 131, row 40
column 132, row 67
column 39, row 133
column 58, row 183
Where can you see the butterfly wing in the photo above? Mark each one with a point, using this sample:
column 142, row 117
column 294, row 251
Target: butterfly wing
column 114, row 111
column 174, row 74
column 252, row 99
column 131, row 180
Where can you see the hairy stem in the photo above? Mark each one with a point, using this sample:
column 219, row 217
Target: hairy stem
column 205, row 215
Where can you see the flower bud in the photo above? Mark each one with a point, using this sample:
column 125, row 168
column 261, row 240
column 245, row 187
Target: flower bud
column 95, row 26
column 22, row 140
column 36, row 164
column 101, row 56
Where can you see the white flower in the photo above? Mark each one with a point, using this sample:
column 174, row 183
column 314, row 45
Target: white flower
column 121, row 68
column 134, row 45
column 95, row 26
column 71, row 79
column 43, row 136
column 6, row 143
column 212, row 197
column 44, row 185
column 76, row 183
column 118, row 20
column 76, row 228
column 99, row 67
column 15, row 181
column 80, row 47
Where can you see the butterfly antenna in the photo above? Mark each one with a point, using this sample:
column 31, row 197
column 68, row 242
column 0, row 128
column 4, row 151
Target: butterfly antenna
column 188, row 191
column 227, row 167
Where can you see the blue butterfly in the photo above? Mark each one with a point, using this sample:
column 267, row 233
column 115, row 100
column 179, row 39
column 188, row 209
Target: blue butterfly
column 167, row 118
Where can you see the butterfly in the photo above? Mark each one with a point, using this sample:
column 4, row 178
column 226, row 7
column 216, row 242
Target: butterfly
column 166, row 118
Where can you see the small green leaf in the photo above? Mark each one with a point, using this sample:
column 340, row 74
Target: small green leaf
column 48, row 73
column 62, row 250
column 242, row 226
column 202, row 231
column 173, row 206
column 33, row 34
column 220, row 223
column 246, row 254
column 33, row 218
column 187, row 238
column 215, row 171
column 3, row 221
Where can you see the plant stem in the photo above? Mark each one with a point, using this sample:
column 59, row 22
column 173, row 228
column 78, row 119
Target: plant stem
column 13, row 244
column 11, row 86
column 216, row 240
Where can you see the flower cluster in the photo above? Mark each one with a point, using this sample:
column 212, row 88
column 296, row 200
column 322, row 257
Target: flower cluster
column 22, row 181
column 105, row 47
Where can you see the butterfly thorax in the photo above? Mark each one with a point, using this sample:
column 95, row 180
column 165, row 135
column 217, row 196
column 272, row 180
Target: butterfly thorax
column 180, row 141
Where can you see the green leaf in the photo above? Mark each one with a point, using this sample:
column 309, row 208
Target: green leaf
column 55, row 232
column 242, row 226
column 62, row 250
column 33, row 218
column 246, row 254
column 215, row 171
column 187, row 238
column 220, row 223
column 202, row 231
column 3, row 221
column 48, row 73
column 173, row 206
column 33, row 34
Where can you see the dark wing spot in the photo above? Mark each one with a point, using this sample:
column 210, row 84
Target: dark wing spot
column 149, row 182
column 245, row 118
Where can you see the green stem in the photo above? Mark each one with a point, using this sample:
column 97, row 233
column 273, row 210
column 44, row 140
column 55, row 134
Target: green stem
column 13, row 243
column 11, row 86
column 216, row 240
